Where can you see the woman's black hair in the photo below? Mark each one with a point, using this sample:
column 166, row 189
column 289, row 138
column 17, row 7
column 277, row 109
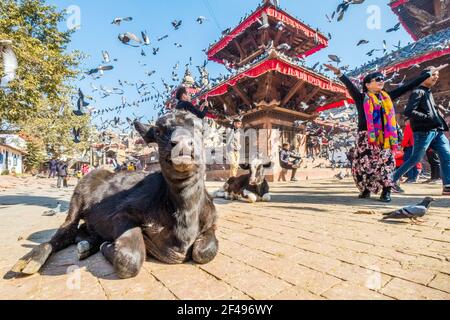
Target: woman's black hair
column 180, row 91
column 369, row 78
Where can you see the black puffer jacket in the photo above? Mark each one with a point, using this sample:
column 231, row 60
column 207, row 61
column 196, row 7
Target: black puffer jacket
column 423, row 113
column 187, row 106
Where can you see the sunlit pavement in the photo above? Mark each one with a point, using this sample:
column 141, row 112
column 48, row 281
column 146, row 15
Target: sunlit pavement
column 308, row 243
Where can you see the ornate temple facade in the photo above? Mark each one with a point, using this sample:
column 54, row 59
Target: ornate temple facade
column 269, row 86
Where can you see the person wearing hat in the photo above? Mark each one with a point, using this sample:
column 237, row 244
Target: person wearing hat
column 429, row 127
column 234, row 146
column 377, row 139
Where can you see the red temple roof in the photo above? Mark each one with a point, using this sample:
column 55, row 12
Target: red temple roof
column 283, row 66
column 279, row 15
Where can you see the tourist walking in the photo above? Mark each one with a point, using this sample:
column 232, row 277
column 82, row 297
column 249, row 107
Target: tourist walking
column 429, row 129
column 53, row 166
column 234, row 146
column 62, row 174
column 377, row 139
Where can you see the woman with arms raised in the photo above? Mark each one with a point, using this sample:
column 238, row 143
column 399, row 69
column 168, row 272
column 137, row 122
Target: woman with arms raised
column 377, row 137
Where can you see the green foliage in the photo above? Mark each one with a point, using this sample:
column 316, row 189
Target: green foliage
column 34, row 157
column 42, row 84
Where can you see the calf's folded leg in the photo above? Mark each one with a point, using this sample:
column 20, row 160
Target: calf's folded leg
column 205, row 247
column 127, row 253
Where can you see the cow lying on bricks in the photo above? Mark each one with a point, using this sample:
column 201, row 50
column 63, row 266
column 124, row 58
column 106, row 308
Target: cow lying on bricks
column 252, row 186
column 167, row 215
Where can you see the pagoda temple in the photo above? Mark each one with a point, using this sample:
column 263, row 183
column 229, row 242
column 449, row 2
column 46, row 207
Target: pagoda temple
column 428, row 23
column 269, row 87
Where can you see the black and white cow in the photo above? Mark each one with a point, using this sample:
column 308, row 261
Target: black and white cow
column 252, row 186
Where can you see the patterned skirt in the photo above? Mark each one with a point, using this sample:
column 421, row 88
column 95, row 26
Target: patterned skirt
column 372, row 166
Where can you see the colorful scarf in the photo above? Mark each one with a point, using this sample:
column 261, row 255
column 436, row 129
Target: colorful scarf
column 380, row 112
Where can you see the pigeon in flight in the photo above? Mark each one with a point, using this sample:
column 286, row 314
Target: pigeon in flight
column 395, row 28
column 145, row 38
column 127, row 37
column 76, row 135
column 361, row 42
column 118, row 21
column 201, row 19
column 80, row 104
column 9, row 62
column 100, row 69
column 413, row 213
column 106, row 57
column 177, row 24
column 163, row 37
column 334, row 58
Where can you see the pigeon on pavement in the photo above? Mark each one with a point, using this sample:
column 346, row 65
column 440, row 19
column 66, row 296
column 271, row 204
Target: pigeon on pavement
column 414, row 213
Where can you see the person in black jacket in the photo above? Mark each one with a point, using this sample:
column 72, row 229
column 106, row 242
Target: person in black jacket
column 62, row 171
column 184, row 103
column 429, row 129
column 373, row 160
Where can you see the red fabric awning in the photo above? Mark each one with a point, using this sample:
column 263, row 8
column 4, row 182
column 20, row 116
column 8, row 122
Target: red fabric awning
column 281, row 67
column 277, row 14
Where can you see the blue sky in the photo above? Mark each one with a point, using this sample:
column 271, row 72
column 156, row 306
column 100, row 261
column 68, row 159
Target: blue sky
column 97, row 34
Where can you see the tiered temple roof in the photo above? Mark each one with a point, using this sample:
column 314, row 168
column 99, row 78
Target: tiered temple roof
column 268, row 73
column 421, row 18
column 247, row 41
column 431, row 47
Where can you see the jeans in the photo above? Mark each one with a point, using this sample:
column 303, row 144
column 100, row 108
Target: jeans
column 63, row 180
column 422, row 141
column 412, row 174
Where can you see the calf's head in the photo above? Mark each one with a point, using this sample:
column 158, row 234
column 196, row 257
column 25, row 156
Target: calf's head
column 179, row 136
column 257, row 168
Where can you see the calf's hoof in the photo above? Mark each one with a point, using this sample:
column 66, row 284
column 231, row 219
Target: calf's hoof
column 33, row 261
column 252, row 198
column 83, row 249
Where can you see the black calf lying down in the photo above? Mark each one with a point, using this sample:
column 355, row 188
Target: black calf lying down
column 167, row 215
column 253, row 186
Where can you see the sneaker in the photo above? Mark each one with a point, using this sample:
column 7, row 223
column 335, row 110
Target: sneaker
column 397, row 189
column 433, row 181
column 446, row 191
column 410, row 181
column 294, row 180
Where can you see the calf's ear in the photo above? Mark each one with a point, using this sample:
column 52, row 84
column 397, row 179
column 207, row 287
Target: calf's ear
column 245, row 166
column 268, row 165
column 147, row 132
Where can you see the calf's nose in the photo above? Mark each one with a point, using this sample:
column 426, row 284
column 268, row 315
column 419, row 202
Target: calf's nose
column 182, row 144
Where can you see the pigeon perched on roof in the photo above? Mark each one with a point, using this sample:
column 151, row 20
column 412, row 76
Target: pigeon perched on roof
column 414, row 213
